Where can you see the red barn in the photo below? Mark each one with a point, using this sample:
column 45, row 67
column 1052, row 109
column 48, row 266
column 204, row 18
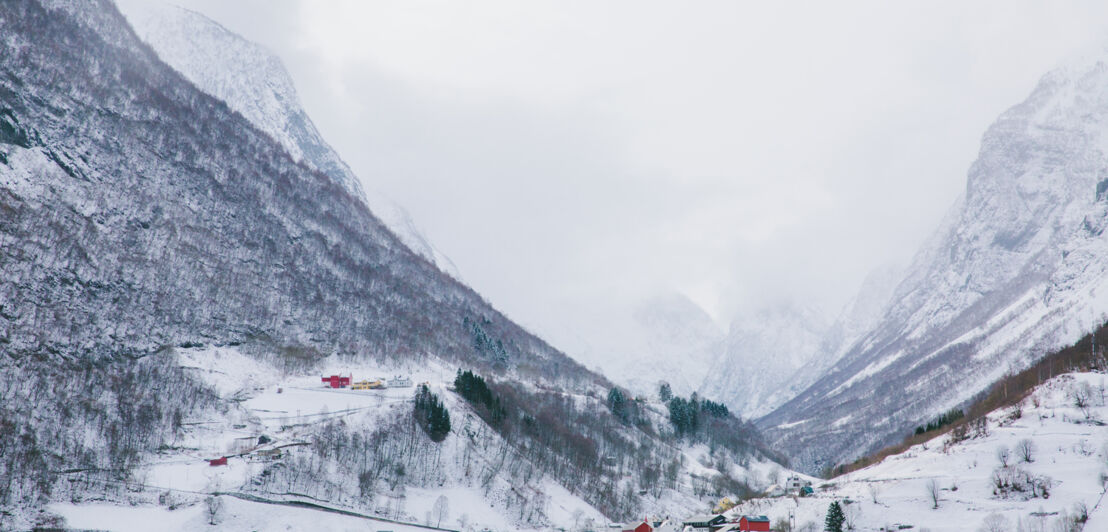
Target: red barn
column 337, row 381
column 641, row 527
column 218, row 461
column 759, row 523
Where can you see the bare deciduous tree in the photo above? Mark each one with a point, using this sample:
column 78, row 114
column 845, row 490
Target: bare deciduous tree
column 441, row 510
column 994, row 523
column 933, row 491
column 874, row 491
column 1082, row 395
column 1003, row 454
column 851, row 512
column 1025, row 449
column 214, row 507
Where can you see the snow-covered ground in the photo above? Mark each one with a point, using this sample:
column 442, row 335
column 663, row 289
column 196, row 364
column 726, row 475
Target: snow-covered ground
column 172, row 488
column 288, row 410
column 234, row 516
column 1069, row 458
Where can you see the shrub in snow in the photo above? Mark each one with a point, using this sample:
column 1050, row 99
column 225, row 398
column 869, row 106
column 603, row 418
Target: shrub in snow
column 1002, row 455
column 1081, row 393
column 994, row 523
column 874, row 492
column 933, row 491
column 214, row 507
column 1018, row 483
column 1025, row 450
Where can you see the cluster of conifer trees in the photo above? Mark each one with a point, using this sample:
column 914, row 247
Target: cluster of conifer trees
column 431, row 414
column 688, row 415
column 472, row 388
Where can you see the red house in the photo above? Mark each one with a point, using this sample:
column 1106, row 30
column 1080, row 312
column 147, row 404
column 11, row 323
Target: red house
column 218, row 461
column 337, row 381
column 641, row 527
column 759, row 523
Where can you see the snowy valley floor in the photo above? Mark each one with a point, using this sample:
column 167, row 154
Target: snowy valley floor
column 290, row 411
column 1069, row 459
column 1068, row 467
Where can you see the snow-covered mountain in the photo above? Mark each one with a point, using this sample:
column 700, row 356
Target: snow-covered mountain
column 254, row 82
column 145, row 221
column 762, row 351
column 1017, row 268
column 667, row 337
column 772, row 355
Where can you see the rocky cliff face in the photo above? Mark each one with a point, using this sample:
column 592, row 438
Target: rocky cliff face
column 1015, row 270
column 254, row 83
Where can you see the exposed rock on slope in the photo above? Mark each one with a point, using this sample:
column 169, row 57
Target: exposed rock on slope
column 762, row 351
column 1017, row 269
column 254, row 82
column 141, row 212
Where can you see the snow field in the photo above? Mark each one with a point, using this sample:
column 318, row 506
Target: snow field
column 1069, row 448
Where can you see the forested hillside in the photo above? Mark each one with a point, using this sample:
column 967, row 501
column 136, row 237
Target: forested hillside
column 143, row 218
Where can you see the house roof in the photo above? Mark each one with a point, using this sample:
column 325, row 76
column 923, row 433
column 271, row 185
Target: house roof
column 703, row 518
column 757, row 518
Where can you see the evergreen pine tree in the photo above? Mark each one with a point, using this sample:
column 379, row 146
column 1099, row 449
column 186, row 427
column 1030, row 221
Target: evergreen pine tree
column 431, row 414
column 665, row 393
column 835, row 518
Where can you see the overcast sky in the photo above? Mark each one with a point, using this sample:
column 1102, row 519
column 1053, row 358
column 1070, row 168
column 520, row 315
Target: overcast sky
column 573, row 154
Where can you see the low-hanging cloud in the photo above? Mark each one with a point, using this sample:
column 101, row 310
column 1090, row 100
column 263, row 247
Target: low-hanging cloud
column 592, row 154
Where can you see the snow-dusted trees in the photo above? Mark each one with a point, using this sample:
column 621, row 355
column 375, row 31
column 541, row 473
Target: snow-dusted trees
column 134, row 406
column 1082, row 395
column 1013, row 481
column 431, row 415
column 874, row 491
column 1002, row 455
column 441, row 510
column 213, row 509
column 621, row 405
column 665, row 393
column 1025, row 450
column 473, row 388
column 851, row 512
column 834, row 520
column 933, row 492
column 994, row 522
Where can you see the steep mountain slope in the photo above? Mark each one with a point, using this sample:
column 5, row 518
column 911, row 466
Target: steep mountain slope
column 142, row 212
column 762, row 351
column 254, row 82
column 857, row 317
column 143, row 217
column 667, row 337
column 1016, row 269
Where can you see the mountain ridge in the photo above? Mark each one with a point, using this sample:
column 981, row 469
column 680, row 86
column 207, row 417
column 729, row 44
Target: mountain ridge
column 254, row 82
column 999, row 284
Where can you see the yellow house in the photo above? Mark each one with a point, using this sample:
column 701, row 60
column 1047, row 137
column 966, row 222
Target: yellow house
column 368, row 385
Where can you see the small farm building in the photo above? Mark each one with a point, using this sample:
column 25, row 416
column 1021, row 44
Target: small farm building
column 754, row 523
column 337, row 381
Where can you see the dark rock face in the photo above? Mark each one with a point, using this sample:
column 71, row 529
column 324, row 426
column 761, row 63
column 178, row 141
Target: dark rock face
column 138, row 212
